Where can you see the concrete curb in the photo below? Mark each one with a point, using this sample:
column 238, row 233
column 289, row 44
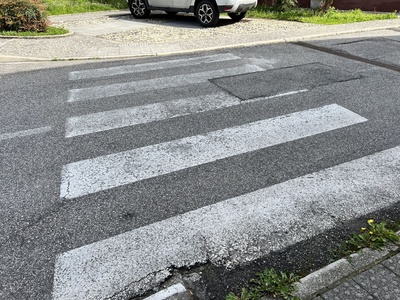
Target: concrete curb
column 310, row 286
column 188, row 51
column 339, row 271
column 38, row 37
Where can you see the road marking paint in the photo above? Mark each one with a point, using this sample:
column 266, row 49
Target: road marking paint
column 130, row 69
column 130, row 116
column 233, row 231
column 23, row 133
column 168, row 292
column 106, row 172
column 125, row 88
column 119, row 118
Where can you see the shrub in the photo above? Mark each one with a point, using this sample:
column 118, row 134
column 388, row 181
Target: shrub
column 285, row 5
column 22, row 15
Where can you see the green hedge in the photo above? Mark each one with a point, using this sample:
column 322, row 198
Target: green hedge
column 22, row 15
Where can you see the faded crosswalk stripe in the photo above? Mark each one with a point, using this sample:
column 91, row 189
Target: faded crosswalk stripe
column 137, row 68
column 239, row 229
column 106, row 172
column 23, row 133
column 119, row 89
column 130, row 116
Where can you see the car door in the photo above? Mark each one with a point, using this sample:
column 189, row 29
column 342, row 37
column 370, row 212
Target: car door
column 182, row 3
column 160, row 3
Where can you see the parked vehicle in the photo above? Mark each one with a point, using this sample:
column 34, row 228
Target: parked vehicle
column 206, row 11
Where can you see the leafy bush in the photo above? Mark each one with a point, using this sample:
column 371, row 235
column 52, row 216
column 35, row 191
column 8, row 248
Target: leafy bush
column 22, row 15
column 285, row 5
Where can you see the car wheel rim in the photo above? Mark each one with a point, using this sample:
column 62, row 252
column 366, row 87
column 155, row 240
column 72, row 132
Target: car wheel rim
column 138, row 7
column 205, row 13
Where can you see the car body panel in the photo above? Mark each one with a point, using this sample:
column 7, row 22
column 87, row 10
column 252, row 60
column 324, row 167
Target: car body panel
column 160, row 3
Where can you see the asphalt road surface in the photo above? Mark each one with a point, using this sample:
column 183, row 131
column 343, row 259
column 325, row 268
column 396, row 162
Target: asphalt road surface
column 117, row 174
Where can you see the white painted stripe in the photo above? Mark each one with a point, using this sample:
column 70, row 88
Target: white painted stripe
column 130, row 116
column 171, row 291
column 102, row 121
column 232, row 231
column 130, row 69
column 11, row 135
column 119, row 89
column 105, row 172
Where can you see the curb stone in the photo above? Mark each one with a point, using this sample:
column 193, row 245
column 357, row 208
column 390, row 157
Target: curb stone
column 310, row 286
column 341, row 270
column 38, row 36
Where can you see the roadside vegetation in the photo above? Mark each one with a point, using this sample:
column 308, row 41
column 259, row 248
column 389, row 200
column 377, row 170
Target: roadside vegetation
column 329, row 17
column 29, row 17
column 268, row 283
column 49, row 31
column 25, row 18
column 274, row 284
column 60, row 7
column 375, row 236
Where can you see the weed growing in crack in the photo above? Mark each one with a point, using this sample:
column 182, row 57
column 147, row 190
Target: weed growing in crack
column 269, row 283
column 375, row 236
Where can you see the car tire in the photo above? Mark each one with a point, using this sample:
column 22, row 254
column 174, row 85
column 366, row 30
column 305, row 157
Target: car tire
column 207, row 13
column 237, row 16
column 138, row 9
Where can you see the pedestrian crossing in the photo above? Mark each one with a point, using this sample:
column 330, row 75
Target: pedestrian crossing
column 137, row 68
column 103, row 269
column 119, row 89
column 97, row 174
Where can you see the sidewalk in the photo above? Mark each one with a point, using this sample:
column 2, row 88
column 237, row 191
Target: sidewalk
column 115, row 34
column 366, row 275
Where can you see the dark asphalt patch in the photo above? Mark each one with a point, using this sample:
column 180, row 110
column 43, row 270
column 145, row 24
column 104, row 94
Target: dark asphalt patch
column 277, row 81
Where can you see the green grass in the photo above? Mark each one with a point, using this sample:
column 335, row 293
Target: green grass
column 268, row 283
column 374, row 236
column 50, row 31
column 60, row 7
column 333, row 16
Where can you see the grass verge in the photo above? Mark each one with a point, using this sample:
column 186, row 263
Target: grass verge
column 60, row 7
column 332, row 16
column 50, row 31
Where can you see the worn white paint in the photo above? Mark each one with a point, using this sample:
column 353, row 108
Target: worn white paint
column 130, row 116
column 159, row 65
column 168, row 292
column 106, row 172
column 23, row 133
column 125, row 88
column 232, row 231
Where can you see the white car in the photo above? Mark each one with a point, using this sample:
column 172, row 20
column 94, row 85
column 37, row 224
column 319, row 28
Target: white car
column 206, row 11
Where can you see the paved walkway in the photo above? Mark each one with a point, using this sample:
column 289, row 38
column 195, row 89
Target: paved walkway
column 115, row 34
column 370, row 274
column 374, row 275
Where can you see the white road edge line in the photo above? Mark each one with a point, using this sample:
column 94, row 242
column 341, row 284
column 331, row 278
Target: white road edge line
column 23, row 133
column 117, row 169
column 118, row 89
column 232, row 231
column 168, row 292
column 137, row 68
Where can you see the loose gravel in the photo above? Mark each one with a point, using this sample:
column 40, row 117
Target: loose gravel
column 166, row 28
